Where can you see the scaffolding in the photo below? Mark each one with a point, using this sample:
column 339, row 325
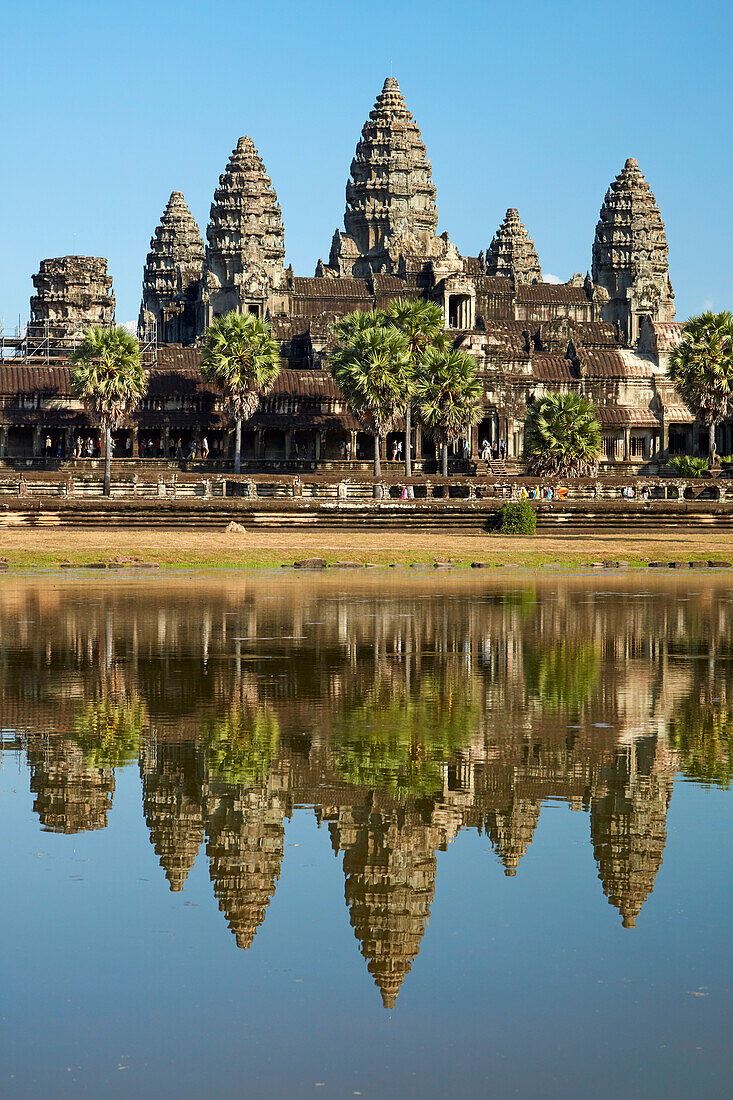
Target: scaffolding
column 43, row 343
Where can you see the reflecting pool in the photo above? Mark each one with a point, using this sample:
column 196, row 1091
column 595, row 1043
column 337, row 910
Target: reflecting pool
column 389, row 835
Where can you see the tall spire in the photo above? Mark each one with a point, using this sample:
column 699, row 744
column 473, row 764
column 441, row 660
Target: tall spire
column 512, row 252
column 172, row 274
column 245, row 254
column 390, row 197
column 630, row 254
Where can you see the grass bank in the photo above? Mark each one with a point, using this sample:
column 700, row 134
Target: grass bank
column 51, row 547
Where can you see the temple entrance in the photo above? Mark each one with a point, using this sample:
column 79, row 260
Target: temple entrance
column 459, row 311
column 19, row 443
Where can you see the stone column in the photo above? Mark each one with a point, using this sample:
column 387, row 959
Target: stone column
column 3, row 441
column 352, row 436
column 37, row 445
column 318, row 446
column 288, row 443
column 166, row 442
column 258, row 443
column 135, row 444
column 627, row 444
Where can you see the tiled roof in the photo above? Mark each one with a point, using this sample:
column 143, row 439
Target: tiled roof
column 330, row 288
column 597, row 333
column 668, row 333
column 551, row 292
column 612, row 364
column 678, row 414
column 620, row 416
column 496, row 284
column 553, row 368
column 31, row 379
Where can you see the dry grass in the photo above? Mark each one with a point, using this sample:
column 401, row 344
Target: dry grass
column 50, row 546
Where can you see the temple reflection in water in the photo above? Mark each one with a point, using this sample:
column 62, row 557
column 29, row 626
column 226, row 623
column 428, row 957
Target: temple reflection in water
column 402, row 715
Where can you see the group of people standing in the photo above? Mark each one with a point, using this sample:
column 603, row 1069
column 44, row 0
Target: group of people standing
column 496, row 450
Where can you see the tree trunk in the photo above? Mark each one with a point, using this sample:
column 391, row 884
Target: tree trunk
column 408, row 456
column 107, row 460
column 377, row 461
column 444, row 456
column 238, row 445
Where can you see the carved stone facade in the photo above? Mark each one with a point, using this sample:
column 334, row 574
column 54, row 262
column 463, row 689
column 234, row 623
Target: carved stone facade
column 245, row 253
column 72, row 292
column 512, row 252
column 630, row 255
column 390, row 197
column 608, row 335
column 172, row 275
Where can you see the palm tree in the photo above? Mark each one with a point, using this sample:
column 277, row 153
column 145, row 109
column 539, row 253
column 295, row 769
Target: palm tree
column 448, row 397
column 701, row 367
column 371, row 367
column 242, row 359
column 109, row 378
column 562, row 436
column 423, row 326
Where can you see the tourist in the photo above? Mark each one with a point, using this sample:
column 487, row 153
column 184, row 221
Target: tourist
column 466, row 451
column 204, row 447
column 394, row 451
column 348, row 451
column 523, row 494
column 192, row 450
column 484, row 450
column 399, row 451
column 48, row 444
column 502, row 450
column 645, row 493
column 179, row 448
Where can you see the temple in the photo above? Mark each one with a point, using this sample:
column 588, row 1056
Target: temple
column 606, row 334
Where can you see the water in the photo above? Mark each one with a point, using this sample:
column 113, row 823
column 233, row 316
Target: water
column 390, row 836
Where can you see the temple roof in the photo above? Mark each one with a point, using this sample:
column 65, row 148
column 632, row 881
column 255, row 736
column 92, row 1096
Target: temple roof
column 246, row 223
column 176, row 255
column 512, row 251
column 630, row 235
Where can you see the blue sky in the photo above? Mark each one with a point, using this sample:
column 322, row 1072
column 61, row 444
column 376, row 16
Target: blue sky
column 106, row 108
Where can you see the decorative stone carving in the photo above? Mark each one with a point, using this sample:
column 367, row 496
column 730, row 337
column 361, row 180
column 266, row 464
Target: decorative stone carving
column 390, row 198
column 172, row 275
column 72, row 293
column 245, row 255
column 512, row 252
column 630, row 254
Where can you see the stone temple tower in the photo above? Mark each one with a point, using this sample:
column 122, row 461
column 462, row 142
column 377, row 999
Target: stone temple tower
column 512, row 252
column 630, row 255
column 172, row 275
column 72, row 293
column 390, row 197
column 245, row 254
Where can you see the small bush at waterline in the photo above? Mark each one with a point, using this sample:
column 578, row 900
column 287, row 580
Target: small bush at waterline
column 686, row 466
column 517, row 519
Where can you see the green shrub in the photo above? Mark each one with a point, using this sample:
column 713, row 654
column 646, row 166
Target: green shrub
column 517, row 519
column 686, row 466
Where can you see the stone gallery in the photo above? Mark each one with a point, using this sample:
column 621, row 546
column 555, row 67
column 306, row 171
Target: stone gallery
column 606, row 334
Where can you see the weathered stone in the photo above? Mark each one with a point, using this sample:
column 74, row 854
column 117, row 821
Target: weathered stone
column 245, row 253
column 311, row 563
column 72, row 293
column 512, row 252
column 390, row 198
column 172, row 275
column 630, row 254
column 234, row 528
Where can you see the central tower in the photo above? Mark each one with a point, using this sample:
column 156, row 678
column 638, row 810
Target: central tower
column 390, row 197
